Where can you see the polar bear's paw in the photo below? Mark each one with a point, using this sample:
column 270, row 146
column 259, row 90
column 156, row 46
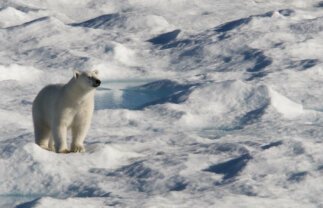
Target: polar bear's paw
column 63, row 151
column 51, row 148
column 44, row 146
column 77, row 148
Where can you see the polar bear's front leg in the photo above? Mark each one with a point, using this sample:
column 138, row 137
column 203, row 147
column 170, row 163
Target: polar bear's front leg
column 59, row 134
column 78, row 135
column 79, row 130
column 80, row 127
column 51, row 146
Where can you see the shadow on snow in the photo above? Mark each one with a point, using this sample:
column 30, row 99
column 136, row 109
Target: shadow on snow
column 102, row 22
column 231, row 168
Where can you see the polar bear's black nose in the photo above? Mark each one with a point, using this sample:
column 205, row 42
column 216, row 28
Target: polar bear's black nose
column 96, row 83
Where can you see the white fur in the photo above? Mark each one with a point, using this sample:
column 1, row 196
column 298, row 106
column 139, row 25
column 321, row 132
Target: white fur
column 62, row 107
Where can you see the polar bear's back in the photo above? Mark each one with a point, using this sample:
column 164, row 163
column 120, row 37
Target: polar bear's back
column 46, row 101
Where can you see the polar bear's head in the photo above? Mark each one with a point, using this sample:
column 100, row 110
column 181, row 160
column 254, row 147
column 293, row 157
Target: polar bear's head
column 87, row 79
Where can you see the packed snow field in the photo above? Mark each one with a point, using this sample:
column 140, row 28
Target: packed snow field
column 202, row 103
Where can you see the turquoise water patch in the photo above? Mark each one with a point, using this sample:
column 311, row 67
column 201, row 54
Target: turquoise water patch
column 138, row 94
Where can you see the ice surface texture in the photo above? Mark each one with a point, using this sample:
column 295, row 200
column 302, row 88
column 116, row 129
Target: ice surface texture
column 203, row 103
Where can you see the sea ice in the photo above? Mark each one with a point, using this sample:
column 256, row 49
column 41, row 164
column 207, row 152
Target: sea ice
column 202, row 104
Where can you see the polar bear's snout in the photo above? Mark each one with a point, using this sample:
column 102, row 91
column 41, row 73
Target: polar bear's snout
column 96, row 82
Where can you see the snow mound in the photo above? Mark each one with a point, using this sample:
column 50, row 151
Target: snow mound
column 19, row 73
column 48, row 202
column 59, row 175
column 10, row 16
column 225, row 105
column 285, row 106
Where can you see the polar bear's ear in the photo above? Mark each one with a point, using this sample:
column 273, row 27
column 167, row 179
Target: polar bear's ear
column 76, row 74
column 96, row 71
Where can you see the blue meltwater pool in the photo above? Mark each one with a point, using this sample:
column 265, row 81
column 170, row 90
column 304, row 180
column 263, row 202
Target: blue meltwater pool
column 137, row 94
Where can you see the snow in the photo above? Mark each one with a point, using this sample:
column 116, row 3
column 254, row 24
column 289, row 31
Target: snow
column 203, row 103
column 283, row 105
column 19, row 73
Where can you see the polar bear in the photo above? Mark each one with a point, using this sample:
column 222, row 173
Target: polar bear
column 62, row 107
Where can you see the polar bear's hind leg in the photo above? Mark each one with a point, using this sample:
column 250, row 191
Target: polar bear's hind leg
column 42, row 134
